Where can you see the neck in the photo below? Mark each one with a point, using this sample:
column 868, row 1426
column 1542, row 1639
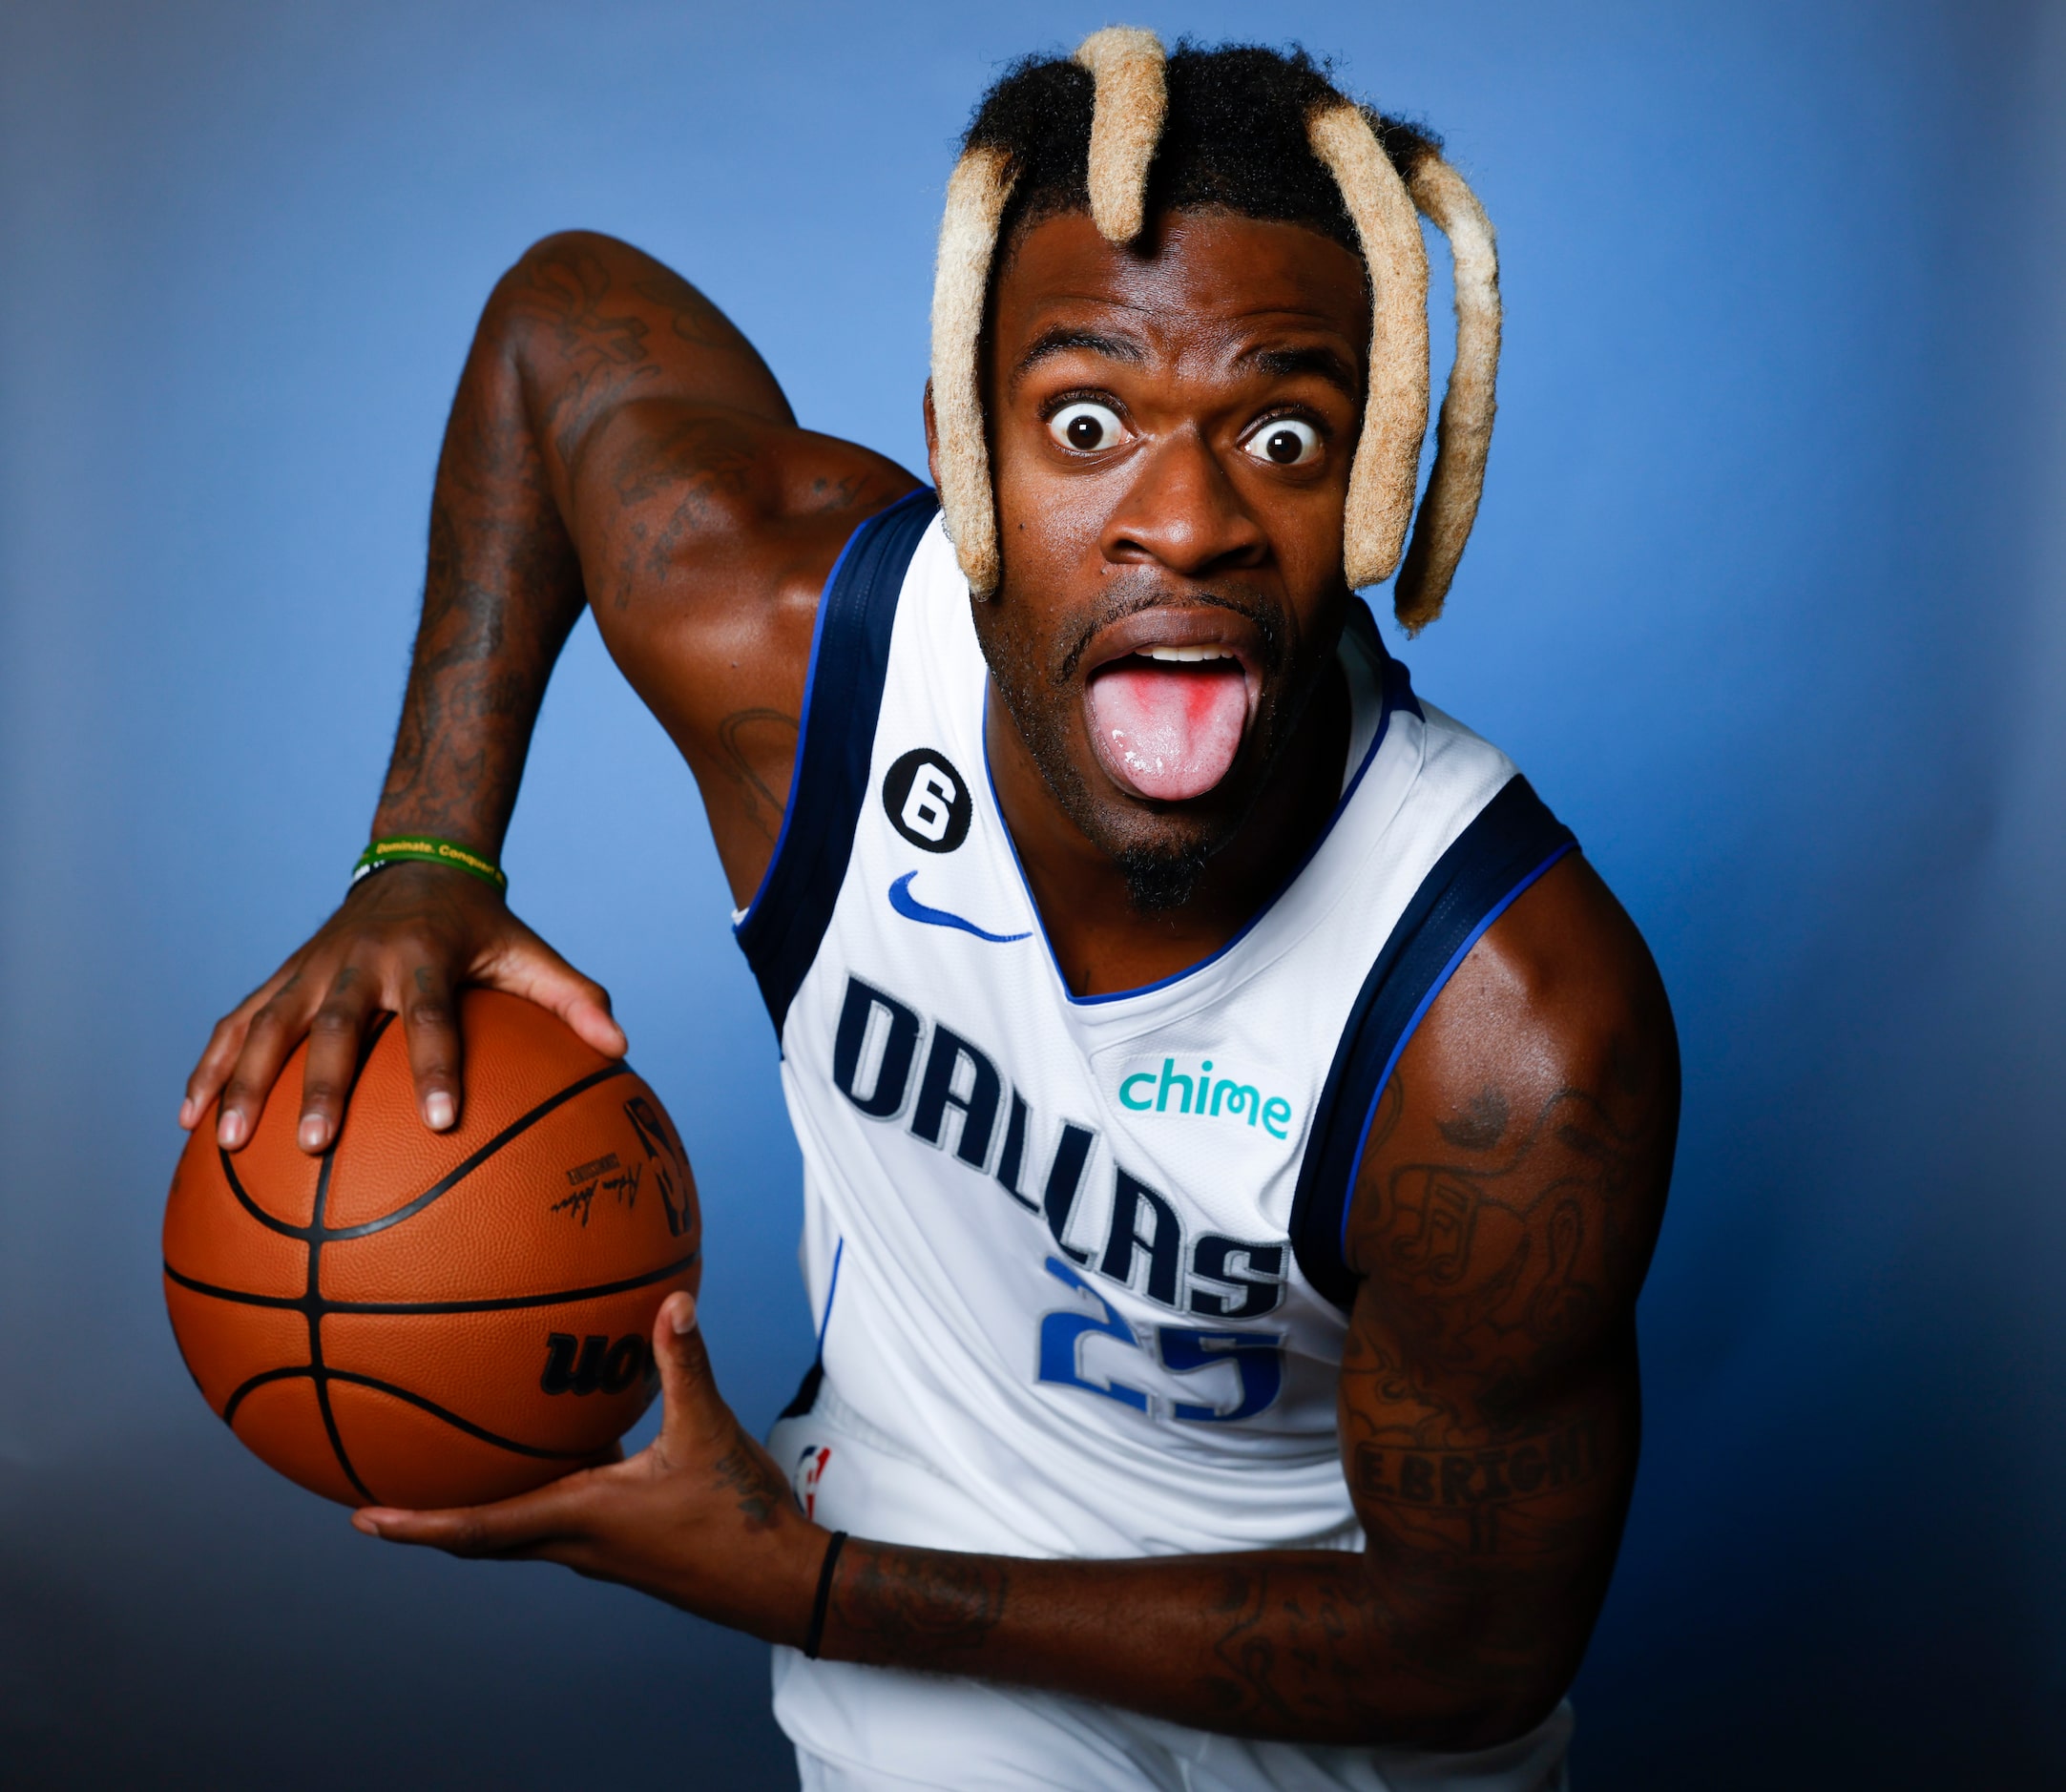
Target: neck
column 1101, row 941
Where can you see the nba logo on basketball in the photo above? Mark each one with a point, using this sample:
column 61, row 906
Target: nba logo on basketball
column 809, row 1470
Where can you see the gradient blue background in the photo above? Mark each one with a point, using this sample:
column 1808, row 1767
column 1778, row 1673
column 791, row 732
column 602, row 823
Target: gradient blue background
column 1765, row 594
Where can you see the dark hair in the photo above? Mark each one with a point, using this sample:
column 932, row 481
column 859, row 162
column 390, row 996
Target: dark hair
column 1234, row 137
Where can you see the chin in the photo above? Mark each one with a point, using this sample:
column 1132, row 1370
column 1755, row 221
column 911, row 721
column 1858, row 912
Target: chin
column 1161, row 850
column 1161, row 878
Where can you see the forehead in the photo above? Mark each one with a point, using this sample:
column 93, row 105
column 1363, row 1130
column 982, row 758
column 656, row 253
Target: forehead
column 1191, row 272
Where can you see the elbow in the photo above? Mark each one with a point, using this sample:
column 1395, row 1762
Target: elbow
column 1475, row 1691
column 1506, row 1716
column 562, row 249
column 544, row 289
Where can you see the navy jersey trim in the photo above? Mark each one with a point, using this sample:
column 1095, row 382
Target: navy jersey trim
column 1398, row 688
column 786, row 923
column 1512, row 842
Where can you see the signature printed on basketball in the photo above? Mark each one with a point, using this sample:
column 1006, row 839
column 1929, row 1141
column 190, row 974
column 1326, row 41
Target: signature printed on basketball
column 624, row 1185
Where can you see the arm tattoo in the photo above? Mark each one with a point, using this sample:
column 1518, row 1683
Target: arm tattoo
column 1496, row 1268
column 917, row 1608
column 765, row 1498
column 690, row 316
column 504, row 584
column 830, row 495
column 1294, row 1641
column 566, row 287
column 501, row 590
column 674, row 485
column 755, row 740
column 1488, row 1402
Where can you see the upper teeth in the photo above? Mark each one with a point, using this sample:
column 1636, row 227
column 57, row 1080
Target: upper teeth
column 1185, row 653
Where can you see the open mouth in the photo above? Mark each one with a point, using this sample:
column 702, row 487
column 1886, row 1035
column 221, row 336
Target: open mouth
column 1167, row 719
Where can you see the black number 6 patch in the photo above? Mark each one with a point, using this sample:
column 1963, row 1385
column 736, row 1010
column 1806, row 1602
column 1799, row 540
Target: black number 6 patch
column 928, row 801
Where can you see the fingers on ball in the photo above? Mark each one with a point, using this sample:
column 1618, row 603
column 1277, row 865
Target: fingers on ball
column 334, row 1032
column 431, row 1026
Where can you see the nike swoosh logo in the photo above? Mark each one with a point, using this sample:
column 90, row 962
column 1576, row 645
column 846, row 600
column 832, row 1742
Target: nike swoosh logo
column 911, row 909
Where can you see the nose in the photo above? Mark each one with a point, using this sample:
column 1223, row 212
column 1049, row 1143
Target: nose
column 1182, row 512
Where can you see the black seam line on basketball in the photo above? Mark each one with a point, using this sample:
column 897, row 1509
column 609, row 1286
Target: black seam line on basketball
column 445, row 1184
column 229, row 1166
column 323, row 1378
column 318, row 1372
column 306, row 1233
column 501, row 1304
column 453, row 1420
column 290, row 1302
column 236, row 1400
column 257, row 1213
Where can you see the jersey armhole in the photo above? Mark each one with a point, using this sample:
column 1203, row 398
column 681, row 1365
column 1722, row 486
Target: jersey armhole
column 785, row 921
column 1512, row 842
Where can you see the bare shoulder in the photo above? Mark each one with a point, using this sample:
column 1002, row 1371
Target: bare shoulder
column 1526, row 1138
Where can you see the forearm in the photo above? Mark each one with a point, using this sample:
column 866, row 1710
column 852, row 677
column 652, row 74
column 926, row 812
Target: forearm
column 1304, row 1645
column 502, row 589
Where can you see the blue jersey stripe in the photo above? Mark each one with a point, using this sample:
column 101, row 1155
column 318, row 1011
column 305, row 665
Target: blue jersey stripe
column 1512, row 842
column 781, row 930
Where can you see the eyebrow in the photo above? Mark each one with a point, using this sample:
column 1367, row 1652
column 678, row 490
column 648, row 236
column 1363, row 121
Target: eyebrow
column 1061, row 339
column 1284, row 363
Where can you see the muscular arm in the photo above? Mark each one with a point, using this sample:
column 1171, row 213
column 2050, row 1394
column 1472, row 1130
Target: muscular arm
column 1503, row 1218
column 614, row 441
column 703, row 522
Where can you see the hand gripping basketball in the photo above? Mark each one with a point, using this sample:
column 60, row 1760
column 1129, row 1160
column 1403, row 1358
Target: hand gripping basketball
column 402, row 943
column 701, row 1517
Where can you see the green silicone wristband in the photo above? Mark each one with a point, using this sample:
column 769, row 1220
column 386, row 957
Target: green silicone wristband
column 427, row 850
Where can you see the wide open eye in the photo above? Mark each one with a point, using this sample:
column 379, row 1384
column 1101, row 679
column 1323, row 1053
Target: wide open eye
column 1086, row 426
column 1285, row 441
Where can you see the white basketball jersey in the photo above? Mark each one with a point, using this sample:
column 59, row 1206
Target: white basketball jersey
column 1077, row 1260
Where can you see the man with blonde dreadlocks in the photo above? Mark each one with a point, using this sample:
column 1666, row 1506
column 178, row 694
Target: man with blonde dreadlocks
column 1235, row 1120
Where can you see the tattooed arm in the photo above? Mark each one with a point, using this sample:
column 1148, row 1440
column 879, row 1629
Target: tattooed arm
column 1504, row 1217
column 1502, row 1221
column 614, row 438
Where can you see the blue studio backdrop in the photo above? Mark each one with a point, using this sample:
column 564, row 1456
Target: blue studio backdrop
column 1765, row 596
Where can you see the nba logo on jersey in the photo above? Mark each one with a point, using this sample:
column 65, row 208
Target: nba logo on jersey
column 810, row 1468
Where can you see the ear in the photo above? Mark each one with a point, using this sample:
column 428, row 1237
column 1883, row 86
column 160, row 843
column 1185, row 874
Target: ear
column 932, row 440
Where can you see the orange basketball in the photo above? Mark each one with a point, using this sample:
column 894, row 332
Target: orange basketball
column 437, row 1319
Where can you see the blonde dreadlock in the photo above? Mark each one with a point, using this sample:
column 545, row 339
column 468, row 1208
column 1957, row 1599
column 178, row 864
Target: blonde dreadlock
column 1382, row 171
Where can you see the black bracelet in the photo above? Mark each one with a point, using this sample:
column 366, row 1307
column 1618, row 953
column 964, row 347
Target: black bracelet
column 815, row 1636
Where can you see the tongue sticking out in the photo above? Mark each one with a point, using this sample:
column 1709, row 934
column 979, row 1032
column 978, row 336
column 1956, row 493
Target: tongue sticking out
column 1168, row 731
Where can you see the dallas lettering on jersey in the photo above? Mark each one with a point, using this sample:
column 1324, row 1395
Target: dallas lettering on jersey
column 957, row 1089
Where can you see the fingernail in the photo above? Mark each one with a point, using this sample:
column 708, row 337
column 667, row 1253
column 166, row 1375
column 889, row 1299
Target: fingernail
column 361, row 1522
column 187, row 1115
column 438, row 1110
column 314, row 1130
column 685, row 1320
column 231, row 1132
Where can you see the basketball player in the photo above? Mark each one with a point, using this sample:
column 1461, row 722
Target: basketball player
column 1235, row 1121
